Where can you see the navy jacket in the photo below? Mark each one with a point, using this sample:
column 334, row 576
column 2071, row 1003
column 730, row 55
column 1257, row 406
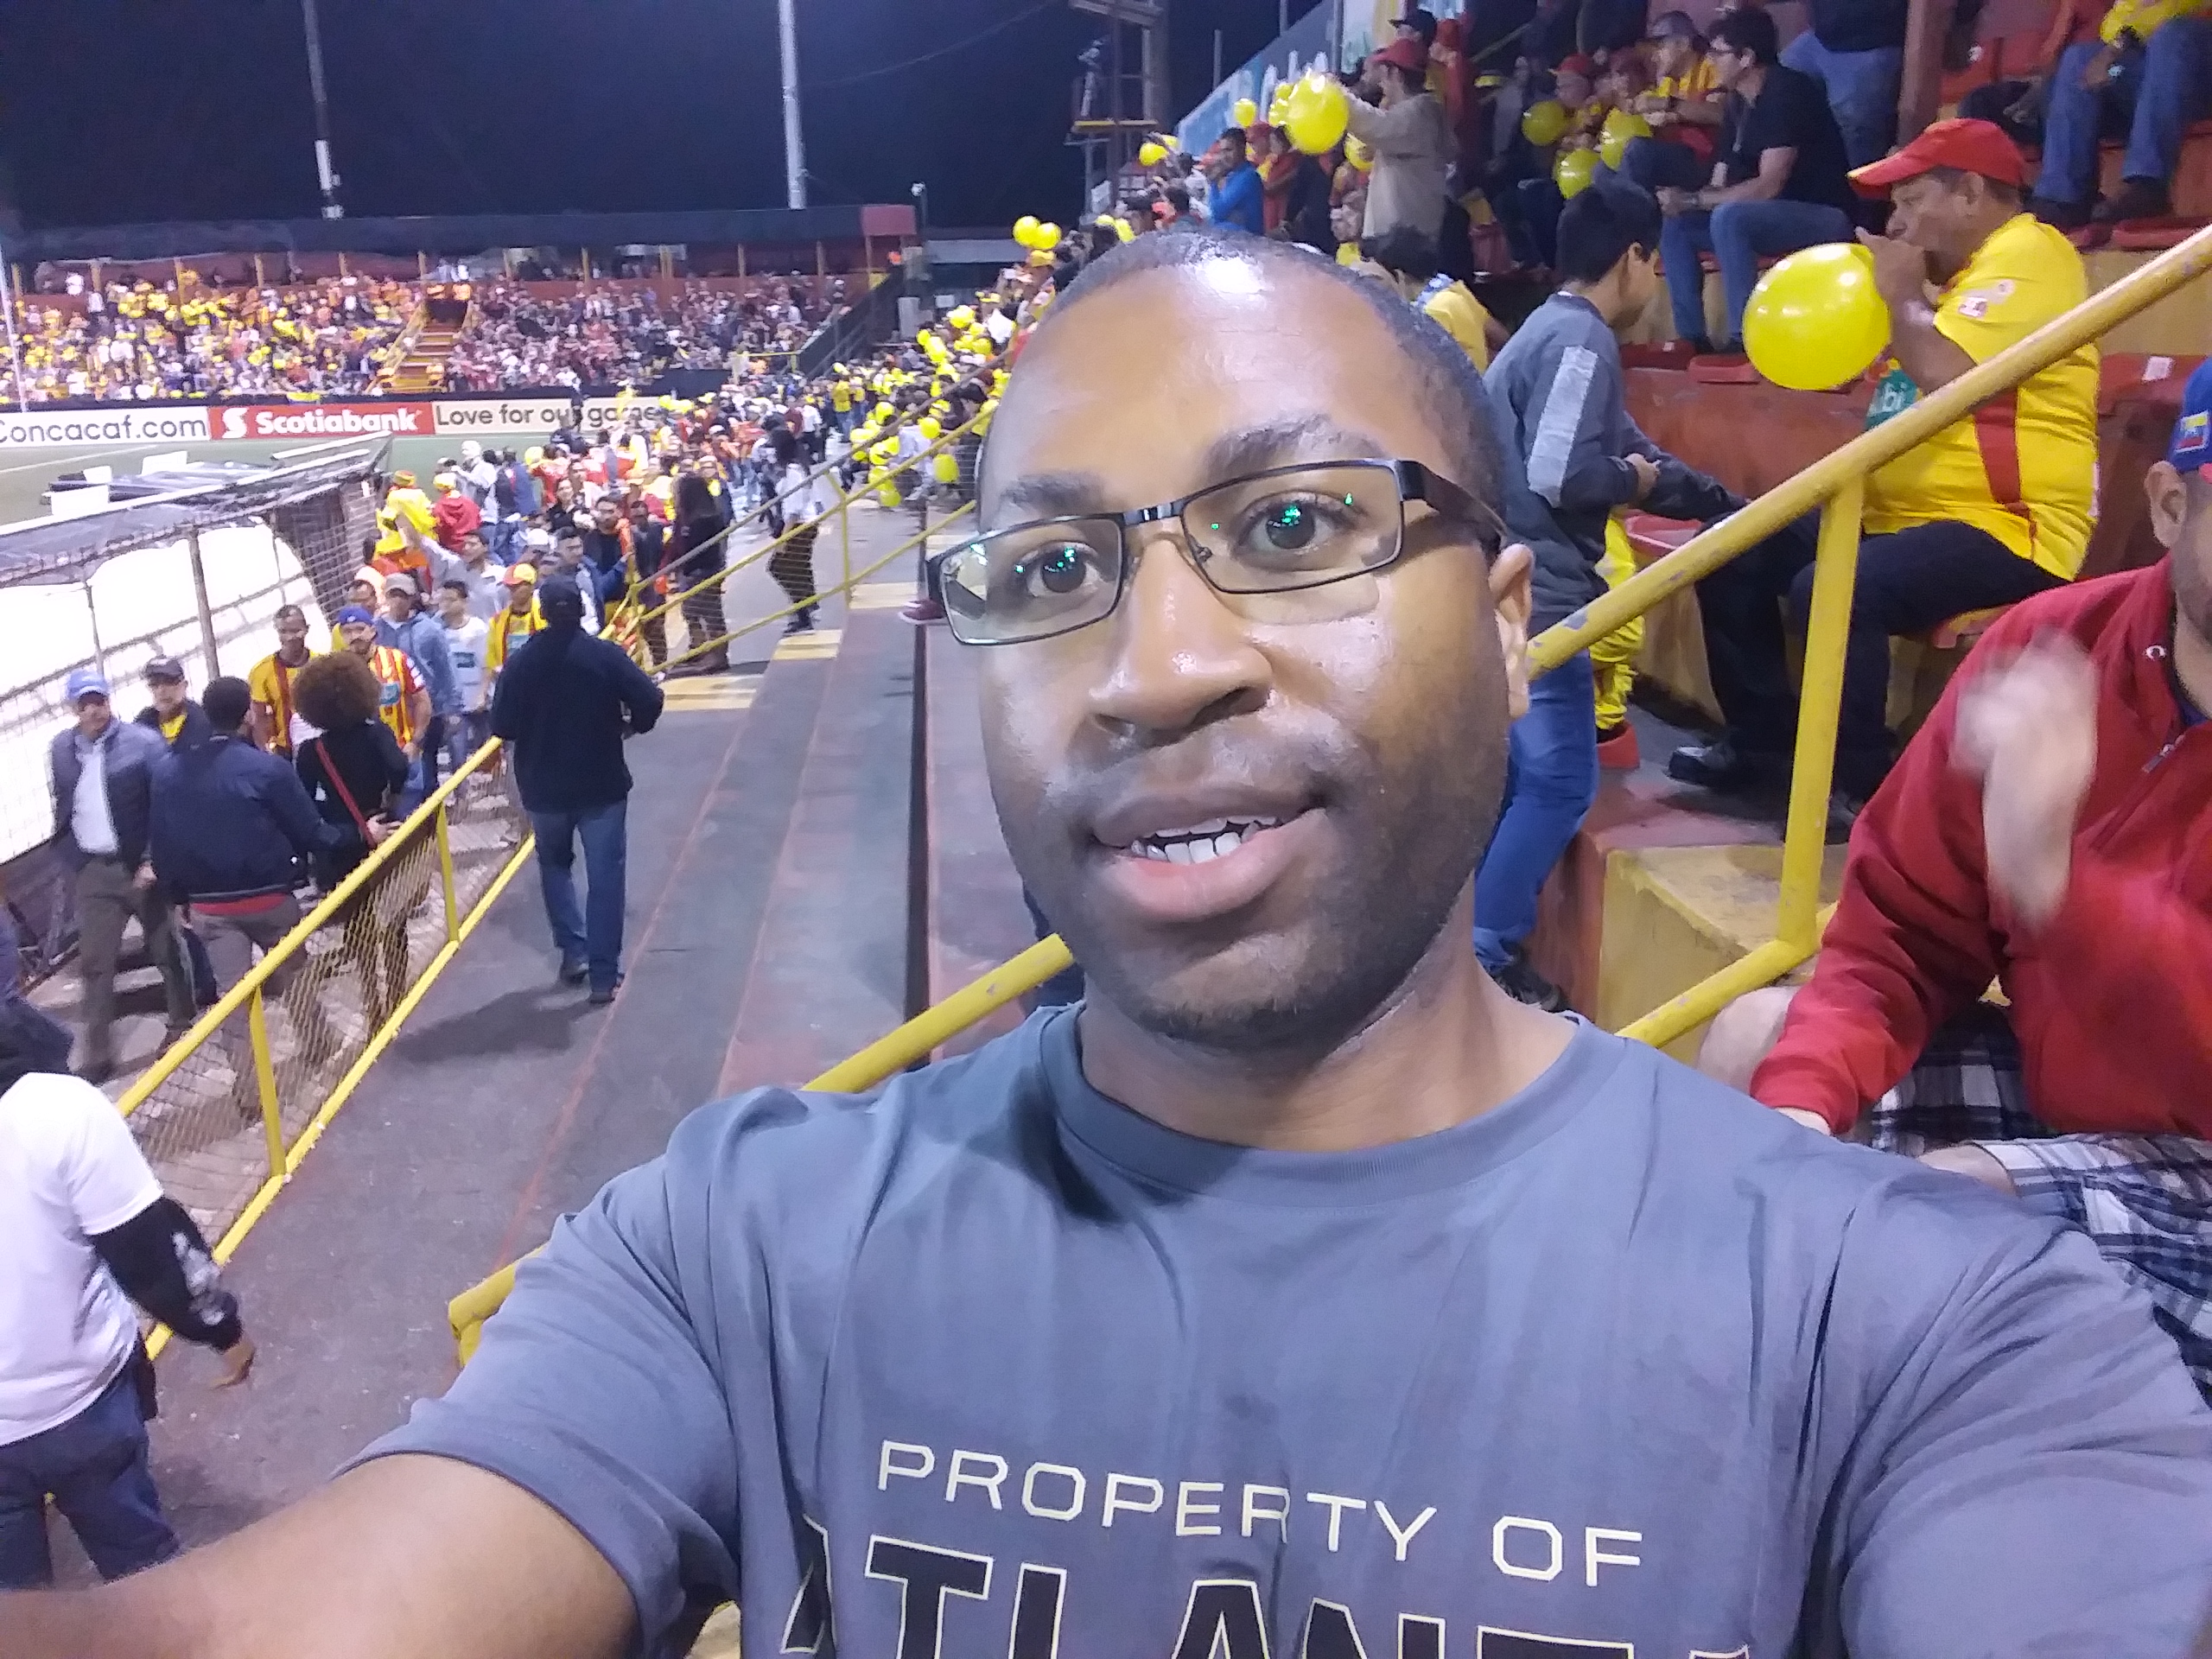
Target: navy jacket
column 561, row 701
column 132, row 751
column 229, row 820
column 196, row 729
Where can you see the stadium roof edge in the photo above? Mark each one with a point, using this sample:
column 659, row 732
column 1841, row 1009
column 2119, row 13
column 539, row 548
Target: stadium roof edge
column 463, row 233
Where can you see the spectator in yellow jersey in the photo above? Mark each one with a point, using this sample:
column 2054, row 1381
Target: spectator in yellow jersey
column 1408, row 260
column 277, row 725
column 1685, row 106
column 513, row 625
column 1986, row 513
column 402, row 702
column 173, row 712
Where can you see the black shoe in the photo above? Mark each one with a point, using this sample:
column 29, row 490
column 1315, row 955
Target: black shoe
column 1722, row 765
column 603, row 995
column 1844, row 808
column 1524, row 984
column 574, row 972
column 2138, row 199
column 2059, row 215
column 801, row 622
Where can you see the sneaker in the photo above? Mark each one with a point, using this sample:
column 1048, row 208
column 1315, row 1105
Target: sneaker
column 603, row 995
column 573, row 971
column 1524, row 984
column 2138, row 199
column 924, row 609
column 1722, row 766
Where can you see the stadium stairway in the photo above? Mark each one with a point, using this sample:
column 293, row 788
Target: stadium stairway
column 775, row 926
column 421, row 368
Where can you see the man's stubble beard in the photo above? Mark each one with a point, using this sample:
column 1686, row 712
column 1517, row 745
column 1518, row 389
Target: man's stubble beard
column 1396, row 895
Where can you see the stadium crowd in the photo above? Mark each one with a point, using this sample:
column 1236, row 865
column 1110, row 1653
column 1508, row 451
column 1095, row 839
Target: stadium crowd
column 606, row 337
column 137, row 343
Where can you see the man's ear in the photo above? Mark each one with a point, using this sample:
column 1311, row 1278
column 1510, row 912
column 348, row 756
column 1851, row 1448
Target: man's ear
column 2168, row 495
column 1511, row 600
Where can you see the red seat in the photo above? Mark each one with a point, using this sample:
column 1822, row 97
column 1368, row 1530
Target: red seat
column 1654, row 538
column 2134, row 378
column 1724, row 369
column 1657, row 354
column 2155, row 235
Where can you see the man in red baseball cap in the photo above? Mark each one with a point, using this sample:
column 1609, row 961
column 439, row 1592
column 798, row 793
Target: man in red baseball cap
column 1985, row 514
column 1412, row 140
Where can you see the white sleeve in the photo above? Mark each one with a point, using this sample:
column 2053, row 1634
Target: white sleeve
column 102, row 1170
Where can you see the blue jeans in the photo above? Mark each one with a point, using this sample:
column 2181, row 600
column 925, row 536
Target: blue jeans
column 1862, row 91
column 592, row 936
column 1657, row 163
column 2160, row 96
column 466, row 733
column 1551, row 778
column 1737, row 233
column 94, row 1466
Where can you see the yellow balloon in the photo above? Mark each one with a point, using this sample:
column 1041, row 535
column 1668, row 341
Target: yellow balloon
column 1040, row 257
column 1816, row 320
column 1025, row 229
column 1573, row 171
column 1122, row 230
column 1628, row 123
column 1544, row 124
column 887, row 494
column 884, row 414
column 1047, row 237
column 945, row 469
column 1316, row 115
column 1243, row 113
column 1150, row 155
column 928, row 427
column 1359, row 155
column 962, row 318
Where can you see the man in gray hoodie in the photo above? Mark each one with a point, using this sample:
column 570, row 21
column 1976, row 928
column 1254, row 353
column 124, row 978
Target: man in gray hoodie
column 1557, row 387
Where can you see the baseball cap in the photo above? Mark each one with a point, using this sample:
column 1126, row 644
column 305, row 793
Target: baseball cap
column 164, row 668
column 1404, row 54
column 86, row 682
column 1969, row 146
column 2192, row 440
column 1576, row 64
column 355, row 613
column 521, row 573
column 1417, row 17
column 402, row 480
column 1671, row 26
column 402, row 583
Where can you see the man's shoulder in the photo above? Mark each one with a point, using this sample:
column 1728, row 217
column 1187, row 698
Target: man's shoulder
column 2100, row 613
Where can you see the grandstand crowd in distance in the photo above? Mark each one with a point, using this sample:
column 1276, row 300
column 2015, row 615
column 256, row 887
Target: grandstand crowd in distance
column 1401, row 848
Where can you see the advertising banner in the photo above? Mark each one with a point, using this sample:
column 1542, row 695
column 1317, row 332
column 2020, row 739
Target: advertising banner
column 1309, row 40
column 307, row 423
column 152, row 423
column 519, row 413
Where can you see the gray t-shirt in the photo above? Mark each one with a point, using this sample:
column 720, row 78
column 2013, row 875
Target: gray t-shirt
column 1628, row 1368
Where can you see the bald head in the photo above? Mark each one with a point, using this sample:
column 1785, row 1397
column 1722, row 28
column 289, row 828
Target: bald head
column 1450, row 389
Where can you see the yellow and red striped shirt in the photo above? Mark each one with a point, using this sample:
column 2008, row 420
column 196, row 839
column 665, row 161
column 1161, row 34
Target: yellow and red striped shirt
column 400, row 687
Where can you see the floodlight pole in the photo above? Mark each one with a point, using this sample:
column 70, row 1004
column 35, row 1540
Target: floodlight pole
column 326, row 175
column 794, row 140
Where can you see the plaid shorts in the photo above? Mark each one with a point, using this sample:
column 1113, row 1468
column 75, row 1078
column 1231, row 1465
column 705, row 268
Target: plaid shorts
column 2144, row 1200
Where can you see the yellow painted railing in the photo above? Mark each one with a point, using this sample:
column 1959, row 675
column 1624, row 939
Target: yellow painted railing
column 228, row 1111
column 1835, row 487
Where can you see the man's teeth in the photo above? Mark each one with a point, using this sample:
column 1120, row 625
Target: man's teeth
column 1200, row 843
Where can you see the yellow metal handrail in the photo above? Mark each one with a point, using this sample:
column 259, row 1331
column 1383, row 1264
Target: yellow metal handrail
column 1836, row 485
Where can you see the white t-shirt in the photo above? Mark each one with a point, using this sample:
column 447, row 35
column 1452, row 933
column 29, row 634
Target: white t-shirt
column 466, row 645
column 68, row 1169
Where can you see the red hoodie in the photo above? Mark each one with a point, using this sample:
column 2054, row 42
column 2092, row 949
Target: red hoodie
column 2112, row 1001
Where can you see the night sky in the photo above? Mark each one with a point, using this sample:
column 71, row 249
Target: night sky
column 120, row 112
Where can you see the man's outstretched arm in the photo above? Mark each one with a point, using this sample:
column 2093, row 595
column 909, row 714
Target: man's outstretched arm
column 415, row 1556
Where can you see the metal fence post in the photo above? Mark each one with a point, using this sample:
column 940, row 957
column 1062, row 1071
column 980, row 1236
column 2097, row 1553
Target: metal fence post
column 445, row 874
column 264, row 1078
column 207, row 611
column 1819, row 706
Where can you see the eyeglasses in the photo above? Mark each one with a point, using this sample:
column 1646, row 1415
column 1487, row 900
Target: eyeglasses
column 1281, row 531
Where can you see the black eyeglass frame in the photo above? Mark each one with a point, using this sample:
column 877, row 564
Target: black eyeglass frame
column 1415, row 481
